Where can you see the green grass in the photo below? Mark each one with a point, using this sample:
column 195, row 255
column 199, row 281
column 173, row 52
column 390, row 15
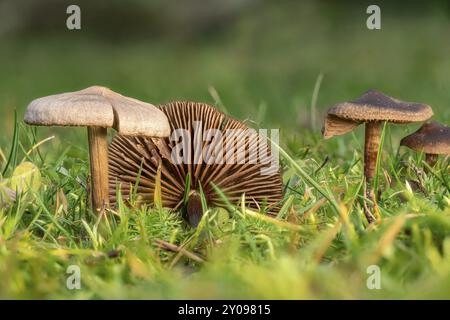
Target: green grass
column 268, row 68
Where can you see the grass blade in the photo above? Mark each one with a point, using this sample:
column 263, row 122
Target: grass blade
column 380, row 151
column 157, row 197
column 302, row 173
column 12, row 158
column 314, row 98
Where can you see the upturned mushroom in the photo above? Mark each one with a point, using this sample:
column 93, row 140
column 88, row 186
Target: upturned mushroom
column 207, row 149
column 433, row 138
column 373, row 108
column 98, row 108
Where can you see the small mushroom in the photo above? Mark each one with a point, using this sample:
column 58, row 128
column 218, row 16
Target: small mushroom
column 7, row 196
column 206, row 164
column 98, row 108
column 433, row 138
column 372, row 108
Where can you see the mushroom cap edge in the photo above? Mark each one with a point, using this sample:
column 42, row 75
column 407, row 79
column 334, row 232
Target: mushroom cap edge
column 101, row 107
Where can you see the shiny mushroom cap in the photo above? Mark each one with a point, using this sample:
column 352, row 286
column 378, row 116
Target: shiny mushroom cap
column 372, row 106
column 98, row 106
column 432, row 138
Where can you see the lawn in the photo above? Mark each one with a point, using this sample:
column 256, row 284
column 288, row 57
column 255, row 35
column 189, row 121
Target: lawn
column 272, row 67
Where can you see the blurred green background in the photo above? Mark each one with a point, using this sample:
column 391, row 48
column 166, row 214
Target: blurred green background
column 262, row 57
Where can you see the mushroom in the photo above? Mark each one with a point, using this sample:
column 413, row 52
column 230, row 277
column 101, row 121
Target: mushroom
column 7, row 196
column 205, row 168
column 372, row 108
column 433, row 138
column 98, row 108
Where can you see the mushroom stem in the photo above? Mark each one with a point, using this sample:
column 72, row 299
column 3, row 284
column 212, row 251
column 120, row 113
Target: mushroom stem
column 194, row 210
column 372, row 144
column 371, row 147
column 431, row 159
column 98, row 153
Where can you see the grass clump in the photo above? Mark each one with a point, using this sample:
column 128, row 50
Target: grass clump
column 319, row 246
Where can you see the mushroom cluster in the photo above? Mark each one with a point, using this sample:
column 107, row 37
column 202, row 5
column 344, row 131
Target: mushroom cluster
column 373, row 109
column 142, row 140
column 145, row 154
column 138, row 161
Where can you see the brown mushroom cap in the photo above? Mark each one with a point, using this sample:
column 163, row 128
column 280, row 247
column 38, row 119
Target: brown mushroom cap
column 432, row 138
column 127, row 153
column 372, row 106
column 100, row 107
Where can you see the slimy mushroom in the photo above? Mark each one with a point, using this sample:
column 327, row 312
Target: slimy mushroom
column 98, row 108
column 433, row 138
column 373, row 108
column 209, row 136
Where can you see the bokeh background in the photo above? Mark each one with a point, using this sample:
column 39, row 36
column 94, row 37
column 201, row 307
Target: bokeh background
column 261, row 59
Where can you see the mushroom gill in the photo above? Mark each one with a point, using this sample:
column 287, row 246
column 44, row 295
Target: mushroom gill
column 208, row 147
